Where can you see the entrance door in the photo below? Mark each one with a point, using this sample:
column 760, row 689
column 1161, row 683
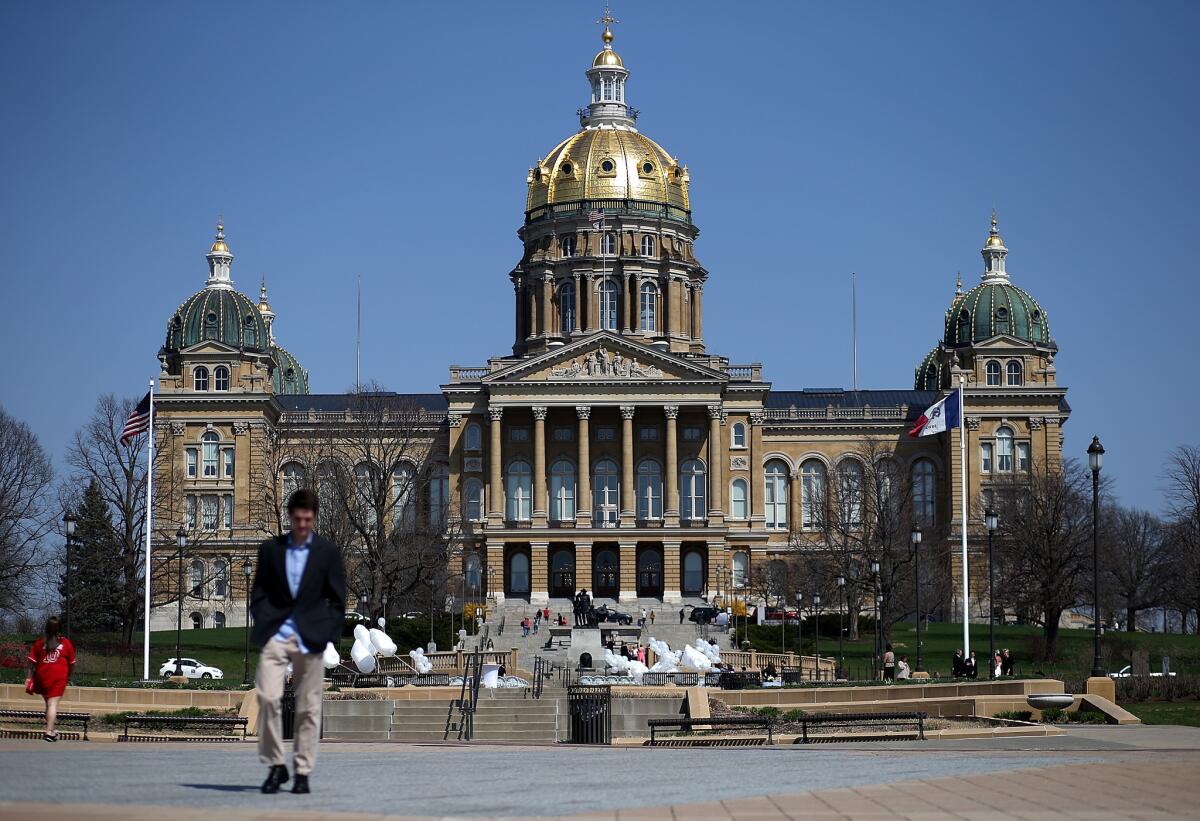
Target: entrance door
column 606, row 573
column 562, row 573
column 693, row 573
column 518, row 573
column 650, row 573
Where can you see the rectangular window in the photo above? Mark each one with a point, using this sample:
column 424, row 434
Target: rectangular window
column 1023, row 457
column 191, row 463
column 606, row 433
column 209, row 512
column 518, row 434
column 227, row 509
column 648, row 434
column 564, row 434
column 189, row 515
column 227, row 463
column 985, row 457
column 692, row 433
column 210, row 460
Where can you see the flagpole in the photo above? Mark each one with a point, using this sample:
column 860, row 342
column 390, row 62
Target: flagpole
column 962, row 471
column 149, row 525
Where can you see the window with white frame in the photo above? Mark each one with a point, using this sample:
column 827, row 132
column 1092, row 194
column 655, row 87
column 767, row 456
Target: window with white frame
column 649, row 489
column 775, row 494
column 191, row 457
column 218, row 619
column 562, row 491
column 567, row 245
column 566, row 307
column 608, row 245
column 227, row 462
column 439, row 496
column 993, row 373
column 209, row 512
column 196, row 579
column 608, row 88
column 649, row 307
column 986, row 454
column 738, row 492
column 1004, row 449
column 1015, row 373
column 608, row 305
column 923, row 476
column 220, row 579
column 850, row 492
column 692, row 478
column 519, row 491
column 293, row 479
column 1023, row 457
column 647, row 246
column 473, row 437
column 741, row 568
column 812, row 494
column 473, row 500
column 189, row 511
column 227, row 510
column 606, row 493
column 738, row 436
column 210, row 450
column 221, row 378
column 404, row 503
column 200, row 378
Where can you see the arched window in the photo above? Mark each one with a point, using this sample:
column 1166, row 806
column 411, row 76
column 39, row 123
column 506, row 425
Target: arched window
column 200, row 379
column 693, row 573
column 737, row 499
column 691, row 489
column 473, row 437
column 404, row 508
column 649, row 490
column 518, row 573
column 775, row 494
column 850, row 485
column 741, row 568
column 812, row 494
column 595, row 91
column 649, row 311
column 608, row 88
column 567, row 245
column 738, row 437
column 196, row 579
column 620, row 89
column 1004, row 449
column 562, row 491
column 887, row 489
column 923, row 491
column 210, row 453
column 964, row 326
column 566, row 307
column 218, row 619
column 608, row 305
column 519, row 491
column 293, row 480
column 439, row 496
column 993, row 373
column 608, row 245
column 1015, row 375
column 221, row 378
column 327, row 497
column 647, row 246
column 220, row 579
column 605, row 493
column 473, row 571
column 362, row 490
column 473, row 500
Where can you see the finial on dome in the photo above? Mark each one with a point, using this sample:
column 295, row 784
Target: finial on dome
column 958, row 284
column 994, row 253
column 607, row 20
column 220, row 258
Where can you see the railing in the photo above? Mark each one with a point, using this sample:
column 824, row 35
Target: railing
column 460, row 373
column 468, row 696
column 421, row 417
column 454, row 662
column 752, row 372
column 581, row 208
column 541, row 669
column 831, row 412
column 591, row 714
column 812, row 668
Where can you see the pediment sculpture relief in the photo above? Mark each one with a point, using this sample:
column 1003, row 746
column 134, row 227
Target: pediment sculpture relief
column 602, row 364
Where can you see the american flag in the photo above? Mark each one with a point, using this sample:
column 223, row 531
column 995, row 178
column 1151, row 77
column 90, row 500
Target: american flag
column 596, row 216
column 138, row 421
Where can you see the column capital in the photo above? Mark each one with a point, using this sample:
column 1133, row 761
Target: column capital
column 627, row 411
column 715, row 412
column 671, row 411
column 454, row 419
column 973, row 422
column 496, row 412
column 758, row 417
column 539, row 412
column 583, row 411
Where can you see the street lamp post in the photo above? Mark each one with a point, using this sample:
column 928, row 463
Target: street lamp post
column 181, row 543
column 247, row 573
column 1095, row 454
column 916, row 543
column 69, row 523
column 991, row 521
column 817, row 634
column 841, row 670
column 875, row 668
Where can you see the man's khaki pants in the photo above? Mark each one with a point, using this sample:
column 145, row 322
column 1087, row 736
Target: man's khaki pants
column 308, row 674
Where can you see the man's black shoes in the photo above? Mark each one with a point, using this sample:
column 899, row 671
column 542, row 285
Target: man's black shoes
column 279, row 775
column 300, row 785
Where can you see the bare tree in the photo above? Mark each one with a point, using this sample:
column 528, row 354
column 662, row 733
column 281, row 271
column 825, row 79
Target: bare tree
column 1135, row 561
column 1182, row 490
column 27, row 511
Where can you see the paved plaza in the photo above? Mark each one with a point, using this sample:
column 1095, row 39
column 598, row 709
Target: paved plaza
column 1095, row 772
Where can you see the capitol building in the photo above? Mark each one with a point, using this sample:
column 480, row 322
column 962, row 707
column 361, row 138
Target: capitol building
column 604, row 446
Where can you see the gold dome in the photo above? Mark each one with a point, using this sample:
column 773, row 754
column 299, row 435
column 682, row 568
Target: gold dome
column 994, row 241
column 599, row 163
column 219, row 246
column 607, row 57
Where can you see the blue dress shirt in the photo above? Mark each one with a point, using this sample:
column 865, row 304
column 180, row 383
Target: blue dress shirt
column 297, row 558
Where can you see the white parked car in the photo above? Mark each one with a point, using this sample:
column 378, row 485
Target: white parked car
column 191, row 669
column 1127, row 671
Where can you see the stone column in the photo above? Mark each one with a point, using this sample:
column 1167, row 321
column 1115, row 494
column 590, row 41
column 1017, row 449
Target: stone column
column 671, row 477
column 627, row 489
column 716, row 453
column 539, row 464
column 531, row 292
column 698, row 295
column 580, row 293
column 583, row 499
column 758, row 509
column 547, row 305
column 671, row 572
column 583, row 566
column 628, row 554
column 456, row 466
column 520, row 313
column 592, row 307
column 495, row 466
column 794, row 500
column 494, row 571
column 539, row 576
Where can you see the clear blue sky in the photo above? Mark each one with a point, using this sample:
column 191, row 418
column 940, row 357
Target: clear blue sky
column 391, row 140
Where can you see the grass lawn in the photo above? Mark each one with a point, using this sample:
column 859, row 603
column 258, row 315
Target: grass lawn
column 1167, row 712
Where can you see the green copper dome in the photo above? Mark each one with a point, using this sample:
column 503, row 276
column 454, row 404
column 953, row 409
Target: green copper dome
column 929, row 372
column 218, row 314
column 288, row 376
column 994, row 308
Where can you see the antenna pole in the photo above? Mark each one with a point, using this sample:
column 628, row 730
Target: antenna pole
column 854, row 327
column 358, row 342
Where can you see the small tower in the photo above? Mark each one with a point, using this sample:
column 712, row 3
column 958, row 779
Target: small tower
column 264, row 308
column 994, row 253
column 607, row 77
column 220, row 260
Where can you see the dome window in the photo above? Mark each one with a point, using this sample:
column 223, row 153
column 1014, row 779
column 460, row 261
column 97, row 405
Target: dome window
column 964, row 326
column 211, row 318
column 567, row 168
column 647, row 167
column 290, row 373
column 178, row 320
column 647, row 246
column 249, row 320
column 607, row 166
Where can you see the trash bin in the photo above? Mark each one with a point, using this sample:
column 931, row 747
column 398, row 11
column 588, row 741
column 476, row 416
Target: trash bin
column 287, row 710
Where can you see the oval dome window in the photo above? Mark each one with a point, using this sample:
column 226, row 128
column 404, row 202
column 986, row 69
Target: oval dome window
column 647, row 167
column 607, row 166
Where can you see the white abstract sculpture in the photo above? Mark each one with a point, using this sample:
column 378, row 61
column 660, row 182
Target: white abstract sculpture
column 705, row 647
column 363, row 654
column 694, row 661
column 362, row 634
column 637, row 670
column 382, row 643
column 668, row 659
column 330, row 657
column 422, row 664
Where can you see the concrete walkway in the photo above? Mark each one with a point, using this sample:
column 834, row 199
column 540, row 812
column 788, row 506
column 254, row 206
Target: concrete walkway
column 1093, row 772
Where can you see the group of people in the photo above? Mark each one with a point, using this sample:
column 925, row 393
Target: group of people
column 585, row 612
column 895, row 669
column 635, row 653
column 529, row 625
column 967, row 666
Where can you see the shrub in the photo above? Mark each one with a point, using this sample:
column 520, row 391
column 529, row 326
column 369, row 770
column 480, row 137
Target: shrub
column 1015, row 715
column 1052, row 715
column 793, row 715
column 1158, row 688
column 1086, row 716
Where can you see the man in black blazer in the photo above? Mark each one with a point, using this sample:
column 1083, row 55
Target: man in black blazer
column 299, row 601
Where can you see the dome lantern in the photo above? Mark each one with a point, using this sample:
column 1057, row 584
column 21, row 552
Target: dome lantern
column 994, row 253
column 220, row 260
column 607, row 77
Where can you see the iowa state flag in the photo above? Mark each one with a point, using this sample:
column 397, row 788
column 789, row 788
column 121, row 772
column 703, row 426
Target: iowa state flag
column 940, row 416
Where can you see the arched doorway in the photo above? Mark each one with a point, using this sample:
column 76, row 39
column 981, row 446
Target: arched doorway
column 693, row 573
column 516, row 582
column 650, row 573
column 606, row 573
column 562, row 572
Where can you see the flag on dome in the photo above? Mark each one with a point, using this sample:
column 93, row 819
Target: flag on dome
column 941, row 415
column 138, row 421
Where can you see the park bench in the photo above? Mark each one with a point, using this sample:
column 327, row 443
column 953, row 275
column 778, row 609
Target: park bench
column 762, row 722
column 39, row 717
column 207, row 722
column 916, row 721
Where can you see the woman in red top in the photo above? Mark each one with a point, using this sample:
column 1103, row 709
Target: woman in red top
column 50, row 661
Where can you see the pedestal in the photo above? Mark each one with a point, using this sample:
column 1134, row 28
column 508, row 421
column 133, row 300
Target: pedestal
column 1102, row 686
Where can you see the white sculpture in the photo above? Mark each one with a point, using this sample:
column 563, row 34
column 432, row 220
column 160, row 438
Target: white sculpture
column 383, row 645
column 420, row 663
column 363, row 654
column 695, row 661
column 708, row 649
column 668, row 659
column 330, row 657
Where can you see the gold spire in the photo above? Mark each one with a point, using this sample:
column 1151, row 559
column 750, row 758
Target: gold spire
column 607, row 57
column 219, row 246
column 263, row 306
column 958, row 284
column 994, row 240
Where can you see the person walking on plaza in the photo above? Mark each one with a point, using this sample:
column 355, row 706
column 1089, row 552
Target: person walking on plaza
column 298, row 600
column 889, row 664
column 958, row 667
column 1006, row 663
column 51, row 659
column 681, row 615
column 651, row 618
column 997, row 665
column 971, row 669
column 903, row 671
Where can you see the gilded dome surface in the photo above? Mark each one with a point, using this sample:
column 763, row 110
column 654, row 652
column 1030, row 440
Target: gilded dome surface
column 607, row 57
column 288, row 376
column 220, row 315
column 608, row 163
column 994, row 308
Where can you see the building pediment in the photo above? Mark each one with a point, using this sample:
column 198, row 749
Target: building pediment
column 209, row 347
column 605, row 358
column 1006, row 342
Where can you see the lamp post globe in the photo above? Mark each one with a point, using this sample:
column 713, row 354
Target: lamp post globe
column 181, row 539
column 247, row 574
column 1095, row 454
column 915, row 535
column 69, row 523
column 878, row 660
column 841, row 668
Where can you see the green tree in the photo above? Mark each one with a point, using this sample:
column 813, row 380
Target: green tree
column 95, row 567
